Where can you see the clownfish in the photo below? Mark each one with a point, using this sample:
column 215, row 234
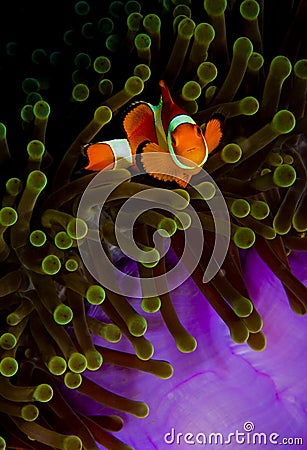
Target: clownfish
column 179, row 145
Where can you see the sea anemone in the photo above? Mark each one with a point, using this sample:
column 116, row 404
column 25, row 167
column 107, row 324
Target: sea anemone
column 61, row 318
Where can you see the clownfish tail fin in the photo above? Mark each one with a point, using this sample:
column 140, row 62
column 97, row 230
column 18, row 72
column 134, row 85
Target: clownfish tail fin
column 99, row 156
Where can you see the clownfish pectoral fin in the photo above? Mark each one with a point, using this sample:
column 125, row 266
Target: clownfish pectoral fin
column 158, row 163
column 139, row 125
column 100, row 156
column 213, row 132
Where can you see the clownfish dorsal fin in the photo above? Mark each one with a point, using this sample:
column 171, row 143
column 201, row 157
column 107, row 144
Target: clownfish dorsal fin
column 139, row 125
column 213, row 132
column 169, row 108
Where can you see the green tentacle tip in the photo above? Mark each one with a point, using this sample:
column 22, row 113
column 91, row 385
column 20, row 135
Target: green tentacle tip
column 8, row 366
column 134, row 21
column 249, row 106
column 183, row 220
column 249, row 9
column 144, row 350
column 280, row 67
column 113, row 43
column 191, row 90
column 103, row 115
column 36, row 181
column 166, row 370
column 112, row 333
column 142, row 41
column 29, row 413
column 2, row 443
column 143, row 71
column 105, row 25
column 56, row 58
column 105, row 87
column 280, row 226
column 151, row 304
column 35, row 150
column 80, row 92
column 57, row 365
column 77, row 363
column 183, row 199
column 82, row 61
column 13, row 186
column 259, row 210
column 62, row 240
column 231, row 153
column 26, row 113
column 33, row 97
column 207, row 71
column 186, row 28
column 134, row 85
column 167, row 227
column 30, row 85
column 2, row 131
column 300, row 69
column 94, row 360
column 255, row 61
column 43, row 393
column 215, row 7
column 283, row 121
column 8, row 216
column 95, row 294
column 82, row 8
column 8, row 341
column 186, row 343
column 77, row 228
column 72, row 443
column 72, row 380
column 205, row 190
column 239, row 332
column 41, row 110
column 150, row 257
column 37, row 238
column 102, row 64
column 243, row 307
column 182, row 10
column 87, row 30
column 257, row 341
column 204, row 32
column 137, row 325
column 240, row 208
column 62, row 314
column 51, row 265
column 39, row 56
column 244, row 237
column 71, row 265
column 243, row 47
column 152, row 23
column 132, row 6
column 142, row 410
column 284, row 175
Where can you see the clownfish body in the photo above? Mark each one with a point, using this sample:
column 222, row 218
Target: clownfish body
column 179, row 146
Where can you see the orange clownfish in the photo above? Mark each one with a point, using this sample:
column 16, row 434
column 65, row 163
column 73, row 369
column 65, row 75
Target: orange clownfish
column 180, row 147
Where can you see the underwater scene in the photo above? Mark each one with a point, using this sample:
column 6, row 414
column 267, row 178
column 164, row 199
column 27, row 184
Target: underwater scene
column 153, row 225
